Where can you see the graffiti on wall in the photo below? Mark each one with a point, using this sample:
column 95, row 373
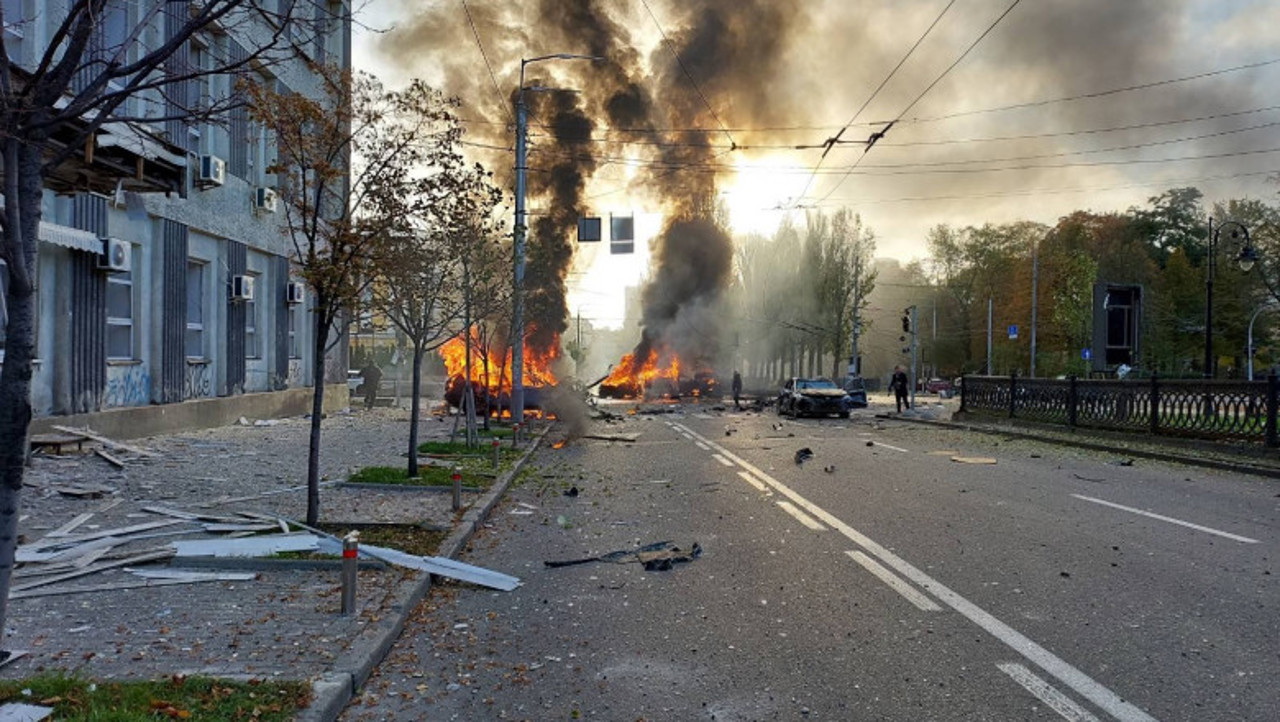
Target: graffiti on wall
column 127, row 386
column 199, row 382
column 297, row 376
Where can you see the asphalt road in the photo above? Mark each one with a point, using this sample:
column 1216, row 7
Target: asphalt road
column 879, row 580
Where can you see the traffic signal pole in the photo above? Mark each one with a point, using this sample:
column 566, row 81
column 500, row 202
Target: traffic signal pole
column 915, row 349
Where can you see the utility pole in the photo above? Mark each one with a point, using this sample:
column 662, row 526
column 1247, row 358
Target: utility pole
column 855, row 368
column 915, row 346
column 989, row 310
column 1035, row 279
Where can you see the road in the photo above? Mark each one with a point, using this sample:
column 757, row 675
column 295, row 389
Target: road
column 880, row 580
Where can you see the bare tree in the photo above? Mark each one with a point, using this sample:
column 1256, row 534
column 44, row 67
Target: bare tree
column 354, row 165
column 104, row 68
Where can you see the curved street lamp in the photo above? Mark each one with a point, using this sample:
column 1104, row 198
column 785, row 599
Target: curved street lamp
column 1245, row 259
column 517, row 286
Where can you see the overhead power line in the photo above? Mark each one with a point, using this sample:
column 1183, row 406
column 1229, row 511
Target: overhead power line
column 923, row 93
column 501, row 100
column 672, row 48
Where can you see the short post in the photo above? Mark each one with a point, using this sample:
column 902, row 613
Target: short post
column 963, row 389
column 1273, row 390
column 1073, row 400
column 350, row 563
column 457, row 490
column 496, row 444
column 1013, row 391
column 1155, row 403
column 515, row 435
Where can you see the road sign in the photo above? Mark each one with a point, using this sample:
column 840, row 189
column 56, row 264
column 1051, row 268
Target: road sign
column 1086, row 354
column 1013, row 331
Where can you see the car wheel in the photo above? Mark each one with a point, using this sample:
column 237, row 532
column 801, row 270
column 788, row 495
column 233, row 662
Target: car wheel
column 782, row 408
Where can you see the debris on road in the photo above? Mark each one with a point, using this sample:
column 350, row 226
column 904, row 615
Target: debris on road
column 658, row 556
column 19, row 712
column 629, row 438
column 444, row 567
column 1122, row 462
column 804, row 455
column 571, row 492
column 973, row 460
column 830, row 469
column 1088, row 478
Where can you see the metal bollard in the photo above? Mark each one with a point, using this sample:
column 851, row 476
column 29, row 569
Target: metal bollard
column 457, row 490
column 515, row 435
column 496, row 444
column 350, row 563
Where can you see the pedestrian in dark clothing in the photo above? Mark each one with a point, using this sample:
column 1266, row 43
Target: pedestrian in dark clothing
column 737, row 390
column 372, row 376
column 899, row 384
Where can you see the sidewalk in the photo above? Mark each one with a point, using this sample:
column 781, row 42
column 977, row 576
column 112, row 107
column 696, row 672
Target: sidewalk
column 285, row 622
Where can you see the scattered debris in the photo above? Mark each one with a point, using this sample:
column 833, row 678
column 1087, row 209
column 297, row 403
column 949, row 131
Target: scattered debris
column 88, row 491
column 58, row 441
column 445, row 567
column 110, row 444
column 67, row 528
column 20, row 712
column 109, row 458
column 256, row 546
column 944, row 452
column 571, row 491
column 830, row 469
column 804, row 455
column 1122, row 462
column 193, row 576
column 871, row 443
column 1087, row 478
column 629, row 438
column 973, row 460
column 563, row 522
column 658, row 556
column 266, row 422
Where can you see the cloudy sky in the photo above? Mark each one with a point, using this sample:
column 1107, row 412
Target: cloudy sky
column 1039, row 118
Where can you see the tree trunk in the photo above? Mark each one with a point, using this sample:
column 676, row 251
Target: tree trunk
column 23, row 188
column 413, row 409
column 317, row 409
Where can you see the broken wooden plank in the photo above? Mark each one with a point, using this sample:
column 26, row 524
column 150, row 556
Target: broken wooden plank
column 46, row 542
column 111, row 443
column 191, row 516
column 151, row 556
column 65, row 529
column 973, row 460
column 109, row 458
column 257, row 546
column 444, row 567
column 83, row 492
column 57, row 441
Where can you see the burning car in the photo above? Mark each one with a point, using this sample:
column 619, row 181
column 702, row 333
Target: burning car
column 801, row 396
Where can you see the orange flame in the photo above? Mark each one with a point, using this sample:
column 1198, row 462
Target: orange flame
column 631, row 379
column 491, row 367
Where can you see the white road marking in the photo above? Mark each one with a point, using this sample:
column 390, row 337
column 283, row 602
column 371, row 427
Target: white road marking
column 896, row 583
column 888, row 446
column 747, row 477
column 722, row 460
column 1047, row 693
column 1169, row 519
column 801, row 517
column 1083, row 684
column 702, row 446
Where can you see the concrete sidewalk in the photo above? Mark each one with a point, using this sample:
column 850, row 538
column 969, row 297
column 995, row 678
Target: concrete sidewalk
column 284, row 623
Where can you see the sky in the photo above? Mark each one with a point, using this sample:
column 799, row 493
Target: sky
column 1000, row 115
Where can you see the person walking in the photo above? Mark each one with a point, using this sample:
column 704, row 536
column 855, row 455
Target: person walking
column 737, row 390
column 372, row 376
column 899, row 384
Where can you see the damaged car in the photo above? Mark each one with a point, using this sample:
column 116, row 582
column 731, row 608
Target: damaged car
column 813, row 397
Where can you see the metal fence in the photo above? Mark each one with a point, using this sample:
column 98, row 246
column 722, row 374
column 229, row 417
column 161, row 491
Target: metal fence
column 1204, row 409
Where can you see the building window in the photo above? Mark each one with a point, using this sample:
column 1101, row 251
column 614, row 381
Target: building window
column 195, row 310
column 120, row 343
column 252, row 344
column 295, row 329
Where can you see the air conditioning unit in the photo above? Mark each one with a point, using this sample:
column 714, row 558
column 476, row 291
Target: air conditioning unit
column 295, row 293
column 264, row 199
column 213, row 171
column 116, row 257
column 242, row 288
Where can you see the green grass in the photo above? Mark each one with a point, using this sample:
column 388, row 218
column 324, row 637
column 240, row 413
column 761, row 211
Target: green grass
column 427, row 476
column 408, row 538
column 193, row 698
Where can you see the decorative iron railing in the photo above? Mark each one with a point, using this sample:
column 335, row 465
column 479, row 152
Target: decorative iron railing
column 1207, row 409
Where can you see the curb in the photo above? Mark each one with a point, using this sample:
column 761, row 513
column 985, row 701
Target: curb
column 1236, row 467
column 331, row 692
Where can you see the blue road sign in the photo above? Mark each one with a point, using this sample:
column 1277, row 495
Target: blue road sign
column 1086, row 354
column 1013, row 331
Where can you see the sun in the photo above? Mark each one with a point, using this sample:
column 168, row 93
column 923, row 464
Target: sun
column 761, row 191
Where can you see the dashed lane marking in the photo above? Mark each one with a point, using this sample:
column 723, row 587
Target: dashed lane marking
column 722, row 460
column 890, row 446
column 896, row 583
column 747, row 477
column 801, row 517
column 702, row 446
column 1171, row 520
column 1047, row 693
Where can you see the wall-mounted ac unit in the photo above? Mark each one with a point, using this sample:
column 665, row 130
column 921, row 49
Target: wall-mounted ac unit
column 213, row 171
column 295, row 293
column 264, row 199
column 242, row 288
column 116, row 257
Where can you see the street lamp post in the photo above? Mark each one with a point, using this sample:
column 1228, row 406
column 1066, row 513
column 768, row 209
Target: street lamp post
column 517, row 286
column 1249, row 340
column 1246, row 258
